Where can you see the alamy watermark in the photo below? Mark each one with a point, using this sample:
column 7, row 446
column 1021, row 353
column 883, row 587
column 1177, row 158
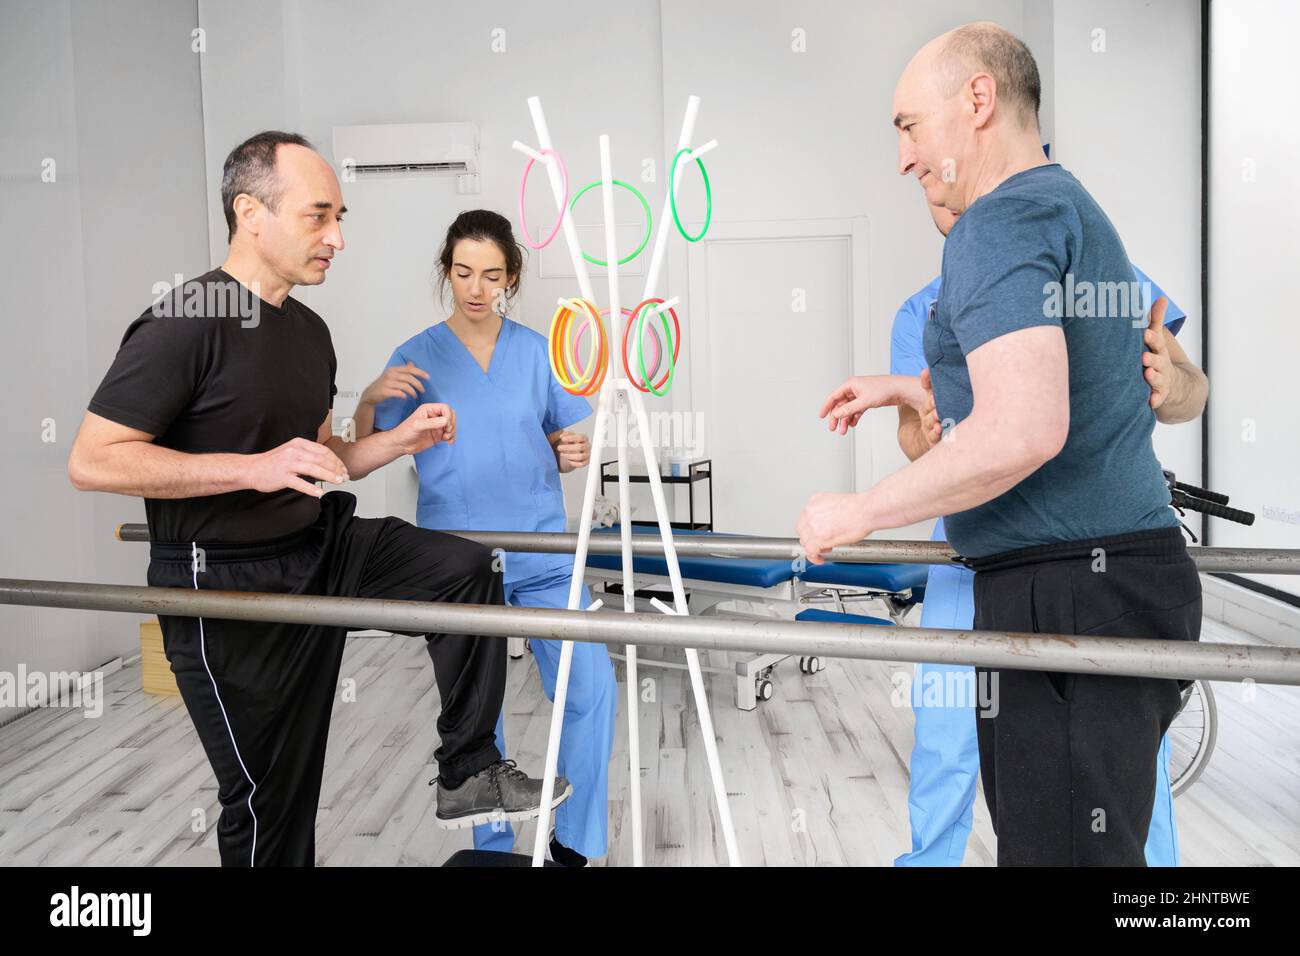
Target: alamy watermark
column 681, row 433
column 947, row 688
column 131, row 911
column 211, row 299
column 1097, row 300
column 31, row 689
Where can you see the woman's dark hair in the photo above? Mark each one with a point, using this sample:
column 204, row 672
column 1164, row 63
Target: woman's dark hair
column 485, row 226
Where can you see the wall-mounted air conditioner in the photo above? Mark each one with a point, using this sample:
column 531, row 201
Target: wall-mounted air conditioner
column 450, row 148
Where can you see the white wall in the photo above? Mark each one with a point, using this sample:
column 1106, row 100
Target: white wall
column 110, row 93
column 46, row 522
column 1255, row 340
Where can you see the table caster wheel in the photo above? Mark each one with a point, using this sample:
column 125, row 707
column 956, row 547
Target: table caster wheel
column 815, row 665
column 763, row 689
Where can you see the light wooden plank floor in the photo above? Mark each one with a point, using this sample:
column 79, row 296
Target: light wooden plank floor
column 816, row 776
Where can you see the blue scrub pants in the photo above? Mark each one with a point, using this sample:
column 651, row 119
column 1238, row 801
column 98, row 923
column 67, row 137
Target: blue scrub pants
column 945, row 763
column 587, row 737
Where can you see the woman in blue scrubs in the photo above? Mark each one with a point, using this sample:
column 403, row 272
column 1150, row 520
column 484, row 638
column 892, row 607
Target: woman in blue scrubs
column 503, row 474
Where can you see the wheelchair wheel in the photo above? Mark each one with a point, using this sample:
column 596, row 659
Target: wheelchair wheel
column 1191, row 736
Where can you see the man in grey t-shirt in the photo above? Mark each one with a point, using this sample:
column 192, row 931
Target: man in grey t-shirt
column 1047, row 473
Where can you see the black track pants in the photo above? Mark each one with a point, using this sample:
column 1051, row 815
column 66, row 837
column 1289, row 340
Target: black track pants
column 260, row 694
column 1068, row 761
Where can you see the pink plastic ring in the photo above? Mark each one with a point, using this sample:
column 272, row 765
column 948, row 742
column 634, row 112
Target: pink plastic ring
column 628, row 314
column 577, row 340
column 564, row 203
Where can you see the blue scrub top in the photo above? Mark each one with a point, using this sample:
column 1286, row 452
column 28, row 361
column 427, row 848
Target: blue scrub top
column 500, row 474
column 907, row 355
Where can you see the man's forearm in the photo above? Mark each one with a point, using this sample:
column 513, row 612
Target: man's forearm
column 911, row 424
column 910, row 439
column 145, row 470
column 1188, row 392
column 363, row 420
column 364, row 455
column 974, row 464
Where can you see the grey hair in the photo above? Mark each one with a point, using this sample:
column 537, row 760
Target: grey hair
column 250, row 168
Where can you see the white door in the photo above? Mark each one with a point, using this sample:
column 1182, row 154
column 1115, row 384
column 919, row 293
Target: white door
column 774, row 337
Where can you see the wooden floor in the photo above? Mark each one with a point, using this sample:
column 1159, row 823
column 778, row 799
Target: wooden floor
column 816, row 776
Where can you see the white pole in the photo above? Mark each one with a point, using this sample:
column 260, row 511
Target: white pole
column 665, row 214
column 624, row 496
column 588, row 499
column 611, row 252
column 566, row 647
column 692, row 656
column 557, row 187
column 661, row 507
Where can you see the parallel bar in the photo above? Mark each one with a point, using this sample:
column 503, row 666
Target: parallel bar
column 1055, row 652
column 1241, row 560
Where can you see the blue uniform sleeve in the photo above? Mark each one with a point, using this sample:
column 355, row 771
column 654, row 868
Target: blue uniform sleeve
column 562, row 409
column 1174, row 316
column 906, row 352
column 392, row 412
column 1000, row 260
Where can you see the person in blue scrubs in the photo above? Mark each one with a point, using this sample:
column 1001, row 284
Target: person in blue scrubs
column 503, row 474
column 945, row 755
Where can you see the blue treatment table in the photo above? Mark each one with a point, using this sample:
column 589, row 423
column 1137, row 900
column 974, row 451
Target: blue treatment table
column 780, row 588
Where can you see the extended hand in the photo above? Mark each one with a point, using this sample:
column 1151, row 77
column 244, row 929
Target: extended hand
column 1158, row 366
column 429, row 424
column 396, row 382
column 846, row 404
column 829, row 520
column 931, row 429
column 286, row 466
column 572, row 450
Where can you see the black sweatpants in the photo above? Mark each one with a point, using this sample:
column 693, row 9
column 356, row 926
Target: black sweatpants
column 1068, row 761
column 260, row 694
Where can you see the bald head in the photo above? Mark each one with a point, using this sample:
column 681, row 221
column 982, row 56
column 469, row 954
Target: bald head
column 966, row 109
column 985, row 47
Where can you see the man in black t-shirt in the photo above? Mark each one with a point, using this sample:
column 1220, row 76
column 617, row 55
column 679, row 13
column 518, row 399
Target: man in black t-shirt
column 217, row 411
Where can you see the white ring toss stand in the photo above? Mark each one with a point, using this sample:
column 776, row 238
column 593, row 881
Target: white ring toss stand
column 618, row 397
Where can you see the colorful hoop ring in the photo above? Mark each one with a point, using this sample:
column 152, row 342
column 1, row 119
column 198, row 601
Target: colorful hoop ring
column 648, row 379
column 672, row 197
column 647, row 383
column 644, row 205
column 560, row 340
column 630, row 315
column 523, row 185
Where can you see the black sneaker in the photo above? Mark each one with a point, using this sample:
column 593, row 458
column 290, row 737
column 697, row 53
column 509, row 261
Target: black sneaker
column 499, row 791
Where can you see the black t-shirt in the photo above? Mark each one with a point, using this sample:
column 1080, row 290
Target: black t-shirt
column 210, row 367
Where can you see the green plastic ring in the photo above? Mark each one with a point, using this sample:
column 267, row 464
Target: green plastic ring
column 672, row 197
column 644, row 205
column 647, row 379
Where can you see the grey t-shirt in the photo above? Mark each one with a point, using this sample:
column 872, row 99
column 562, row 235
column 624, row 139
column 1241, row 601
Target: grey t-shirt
column 1038, row 250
